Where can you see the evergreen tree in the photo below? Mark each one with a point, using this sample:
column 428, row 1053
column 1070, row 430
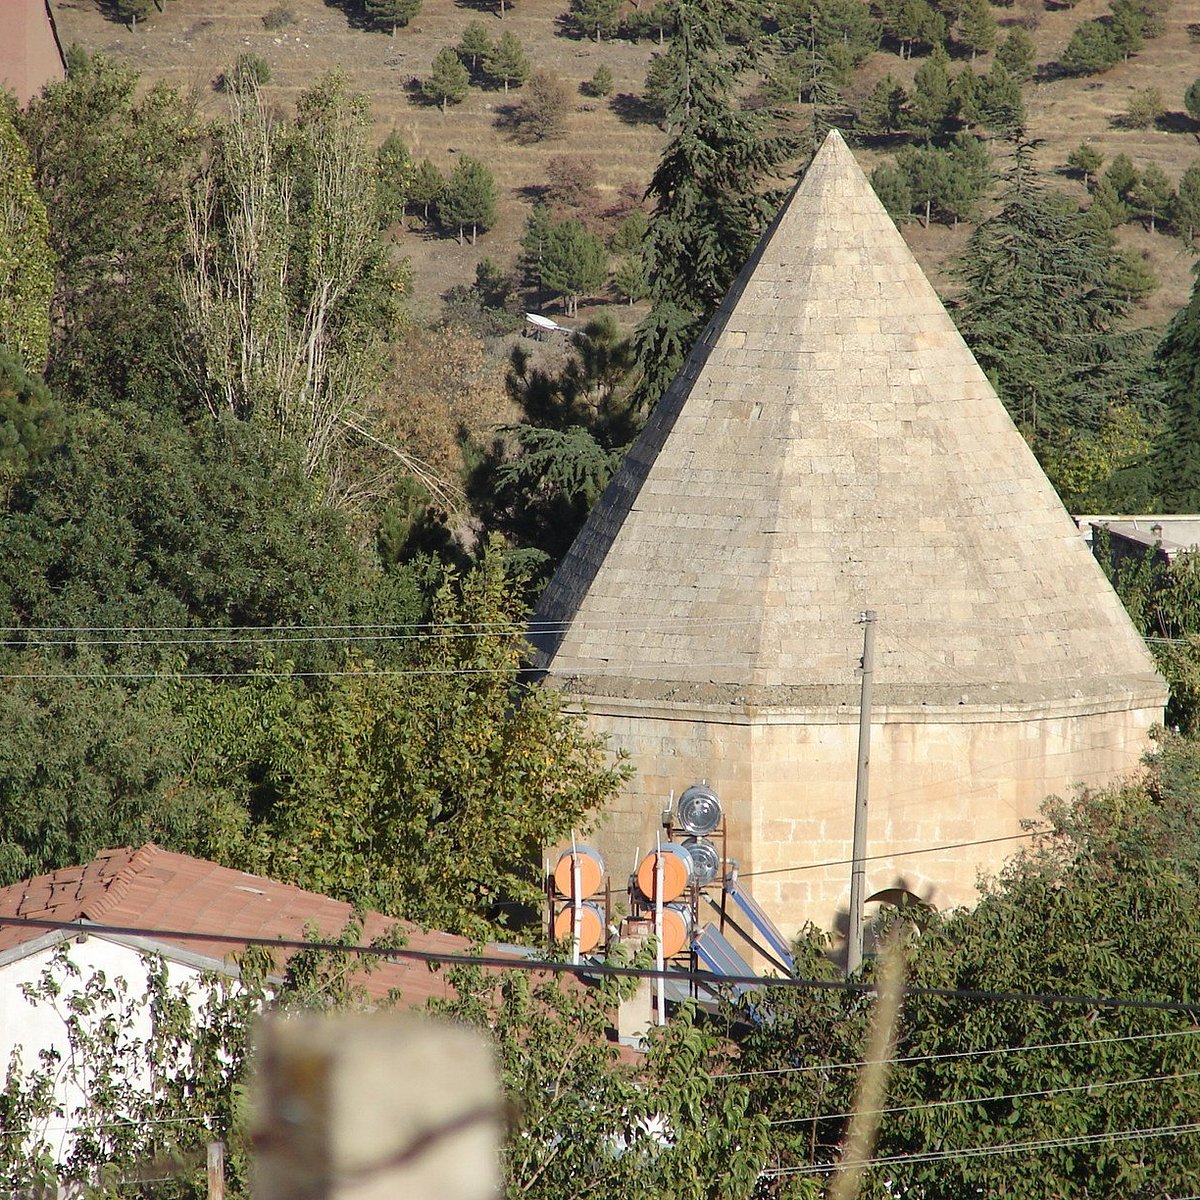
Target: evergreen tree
column 1091, row 50
column 133, row 11
column 631, row 279
column 1177, row 456
column 912, row 23
column 393, row 13
column 449, row 82
column 1144, row 108
column 425, row 191
column 1122, row 176
column 932, row 107
column 1185, row 214
column 1018, row 54
column 507, row 61
column 1153, row 196
column 1087, row 160
column 885, row 110
column 541, row 114
column 601, row 82
column 999, row 106
column 395, row 178
column 891, row 186
column 977, row 27
column 475, row 44
column 469, row 198
column 709, row 204
column 574, row 263
column 596, row 18
column 1125, row 26
column 1191, row 100
column 1041, row 313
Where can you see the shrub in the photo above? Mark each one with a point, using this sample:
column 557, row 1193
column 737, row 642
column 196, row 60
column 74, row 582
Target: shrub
column 278, row 15
column 601, row 83
column 1145, row 107
column 249, row 72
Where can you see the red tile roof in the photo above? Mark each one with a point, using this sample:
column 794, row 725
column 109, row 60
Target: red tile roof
column 154, row 890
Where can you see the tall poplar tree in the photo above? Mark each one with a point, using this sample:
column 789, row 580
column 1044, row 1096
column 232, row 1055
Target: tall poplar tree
column 710, row 205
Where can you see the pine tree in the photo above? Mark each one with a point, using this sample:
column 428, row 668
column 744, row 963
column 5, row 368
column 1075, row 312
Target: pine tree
column 1153, row 195
column 475, row 44
column 1185, row 215
column 1018, row 54
column 449, row 82
column 999, row 106
column 977, row 27
column 1191, row 100
column 1041, row 313
column 427, row 188
column 394, row 181
column 1177, row 456
column 885, row 110
column 507, row 61
column 596, row 17
column 393, row 13
column 932, row 107
column 709, row 204
column 574, row 263
column 469, row 198
column 892, row 188
column 1091, row 50
column 1087, row 160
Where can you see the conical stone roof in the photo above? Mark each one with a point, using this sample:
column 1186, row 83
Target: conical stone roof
column 831, row 446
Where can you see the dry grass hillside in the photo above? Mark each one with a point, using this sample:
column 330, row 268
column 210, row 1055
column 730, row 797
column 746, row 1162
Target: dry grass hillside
column 192, row 40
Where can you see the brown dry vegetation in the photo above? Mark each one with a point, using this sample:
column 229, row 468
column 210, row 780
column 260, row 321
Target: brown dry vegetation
column 193, row 40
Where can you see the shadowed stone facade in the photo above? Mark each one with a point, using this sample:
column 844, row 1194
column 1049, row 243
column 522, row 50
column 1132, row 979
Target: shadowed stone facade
column 831, row 446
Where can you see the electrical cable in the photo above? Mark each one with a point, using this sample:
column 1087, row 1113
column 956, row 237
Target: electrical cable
column 967, row 1152
column 987, row 1052
column 1031, row 1095
column 550, row 966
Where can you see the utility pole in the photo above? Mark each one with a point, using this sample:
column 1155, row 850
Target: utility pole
column 858, row 869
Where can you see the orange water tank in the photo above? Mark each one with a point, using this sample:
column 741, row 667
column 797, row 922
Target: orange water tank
column 591, row 872
column 591, row 925
column 676, row 872
column 676, row 929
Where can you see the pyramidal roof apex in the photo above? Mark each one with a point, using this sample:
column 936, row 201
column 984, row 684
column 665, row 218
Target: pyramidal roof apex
column 829, row 446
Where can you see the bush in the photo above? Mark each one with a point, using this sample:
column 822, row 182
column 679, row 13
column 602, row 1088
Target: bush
column 1145, row 107
column 278, row 16
column 1092, row 49
column 541, row 115
column 249, row 72
column 601, row 83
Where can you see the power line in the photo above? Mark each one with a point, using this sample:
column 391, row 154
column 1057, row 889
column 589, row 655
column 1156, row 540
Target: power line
column 1030, row 1095
column 707, row 980
column 987, row 1052
column 967, row 1152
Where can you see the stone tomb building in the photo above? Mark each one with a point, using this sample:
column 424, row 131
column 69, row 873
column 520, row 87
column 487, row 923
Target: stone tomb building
column 831, row 446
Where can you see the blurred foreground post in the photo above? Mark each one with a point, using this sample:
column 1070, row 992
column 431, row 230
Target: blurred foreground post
column 362, row 1107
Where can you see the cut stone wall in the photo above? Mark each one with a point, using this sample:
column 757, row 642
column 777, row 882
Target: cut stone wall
column 937, row 777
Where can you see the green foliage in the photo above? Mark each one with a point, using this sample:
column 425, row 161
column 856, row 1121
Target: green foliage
column 427, row 188
column 1103, row 905
column 710, row 203
column 133, row 11
column 26, row 262
column 976, row 27
column 449, row 81
column 427, row 794
column 1177, row 459
column 1087, row 160
column 1042, row 315
column 1122, row 176
column 601, row 82
column 912, row 23
column 1091, row 50
column 1153, row 196
column 1144, row 109
column 543, row 476
column 395, row 171
column 631, row 279
column 885, row 110
column 389, row 14
column 823, row 41
column 541, row 113
column 249, row 72
column 30, row 423
column 278, row 16
column 469, row 198
column 999, row 106
column 630, row 233
column 891, row 186
column 1017, row 54
column 574, row 262
column 596, row 18
column 949, row 182
column 506, row 61
column 1185, row 212
column 475, row 44
column 1191, row 99
column 932, row 109
column 110, row 166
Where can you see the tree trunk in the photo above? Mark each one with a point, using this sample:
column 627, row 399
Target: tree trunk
column 506, row 85
column 928, row 207
column 444, row 101
column 474, row 229
column 460, row 235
